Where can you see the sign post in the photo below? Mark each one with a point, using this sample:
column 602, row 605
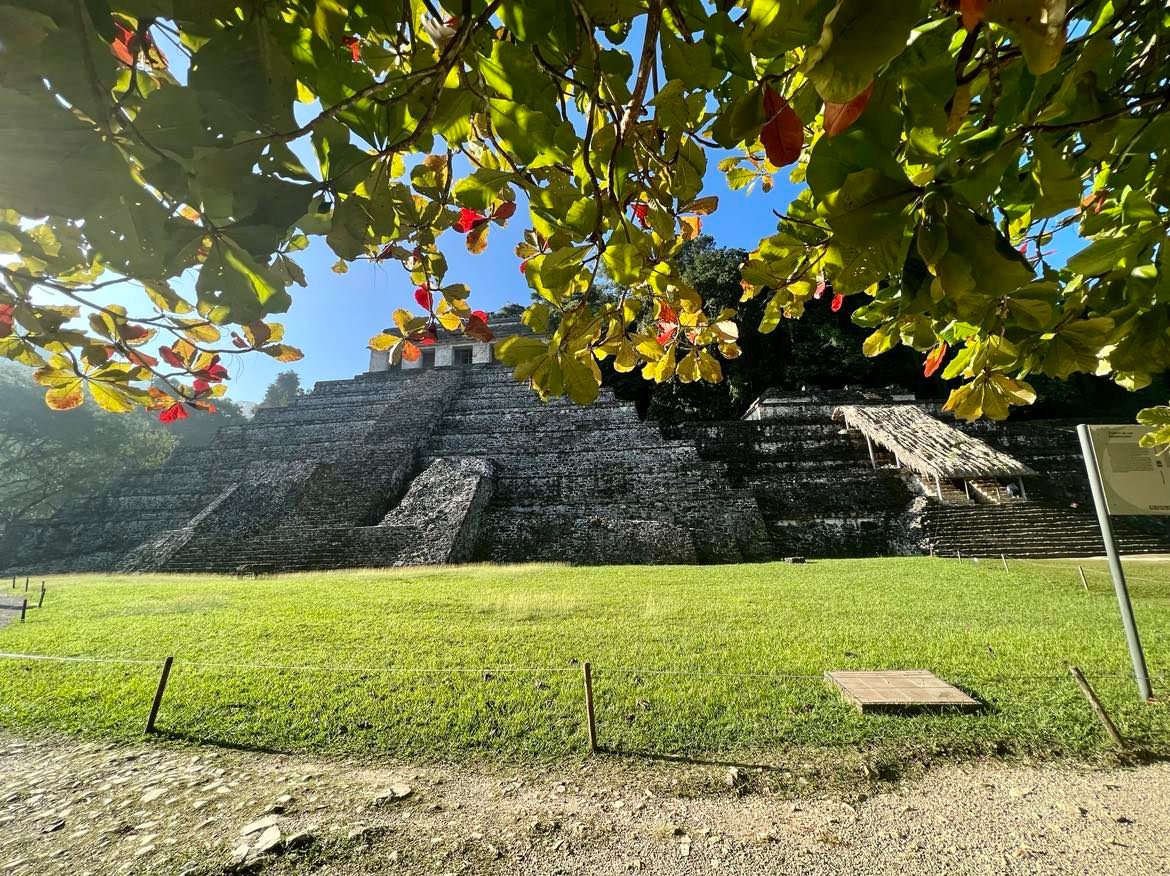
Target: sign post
column 1126, row 479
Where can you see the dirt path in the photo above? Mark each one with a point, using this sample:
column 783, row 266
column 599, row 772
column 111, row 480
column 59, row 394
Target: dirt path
column 80, row 808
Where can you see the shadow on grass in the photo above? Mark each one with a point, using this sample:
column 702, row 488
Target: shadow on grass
column 682, row 758
column 192, row 739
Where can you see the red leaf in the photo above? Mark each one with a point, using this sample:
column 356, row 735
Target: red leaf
column 822, row 287
column 477, row 328
column 355, row 47
column 6, row 311
column 640, row 212
column 424, row 298
column 121, row 44
column 524, row 267
column 170, row 357
column 429, row 336
column 130, row 332
column 783, row 133
column 667, row 334
column 973, row 12
column 134, row 356
column 480, row 315
column 839, row 116
column 469, row 219
column 175, row 412
column 504, row 211
column 667, row 314
column 838, row 300
column 202, row 386
column 215, row 372
column 934, row 359
column 386, row 252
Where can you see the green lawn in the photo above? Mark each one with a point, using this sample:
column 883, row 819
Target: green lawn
column 689, row 660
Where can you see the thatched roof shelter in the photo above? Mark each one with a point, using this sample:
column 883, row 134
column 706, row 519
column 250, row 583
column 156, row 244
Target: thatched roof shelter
column 928, row 446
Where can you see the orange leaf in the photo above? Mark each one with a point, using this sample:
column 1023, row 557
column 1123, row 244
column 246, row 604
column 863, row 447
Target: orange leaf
column 783, row 133
column 839, row 116
column 973, row 12
column 691, row 226
column 64, row 397
column 410, row 352
column 934, row 359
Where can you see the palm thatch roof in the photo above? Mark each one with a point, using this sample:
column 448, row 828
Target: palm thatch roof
column 928, row 446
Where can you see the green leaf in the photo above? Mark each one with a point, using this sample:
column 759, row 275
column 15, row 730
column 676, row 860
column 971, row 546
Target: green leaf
column 582, row 378
column 625, row 263
column 741, row 120
column 858, row 38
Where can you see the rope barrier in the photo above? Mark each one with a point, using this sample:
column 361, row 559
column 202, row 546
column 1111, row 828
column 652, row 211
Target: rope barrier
column 456, row 670
column 1088, row 570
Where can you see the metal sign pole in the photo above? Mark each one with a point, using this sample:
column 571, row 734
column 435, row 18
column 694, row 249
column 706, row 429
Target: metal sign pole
column 1140, row 673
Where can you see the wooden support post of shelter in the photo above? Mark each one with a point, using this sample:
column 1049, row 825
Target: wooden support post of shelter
column 590, row 718
column 1084, row 580
column 158, row 694
column 1004, row 559
column 869, row 447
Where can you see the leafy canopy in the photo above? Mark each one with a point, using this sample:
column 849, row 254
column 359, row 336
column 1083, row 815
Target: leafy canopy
column 943, row 147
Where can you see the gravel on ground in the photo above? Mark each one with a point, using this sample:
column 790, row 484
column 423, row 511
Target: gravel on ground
column 76, row 807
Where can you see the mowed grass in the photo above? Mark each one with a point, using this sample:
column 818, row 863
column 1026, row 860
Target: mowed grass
column 485, row 660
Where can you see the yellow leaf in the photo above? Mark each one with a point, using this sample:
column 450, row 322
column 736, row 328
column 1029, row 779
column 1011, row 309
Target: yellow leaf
column 284, row 353
column 729, row 351
column 688, row 368
column 626, row 359
column 109, row 397
column 477, row 239
column 664, row 368
column 199, row 330
column 692, row 226
column 402, row 319
column 709, row 368
column 703, row 206
column 450, row 321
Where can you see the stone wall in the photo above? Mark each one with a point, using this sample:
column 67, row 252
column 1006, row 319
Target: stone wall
column 455, row 464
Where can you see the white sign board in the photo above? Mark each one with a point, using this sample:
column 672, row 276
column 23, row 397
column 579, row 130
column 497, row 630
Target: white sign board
column 1135, row 479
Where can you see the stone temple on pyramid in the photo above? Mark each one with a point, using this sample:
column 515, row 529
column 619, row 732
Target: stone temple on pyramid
column 450, row 459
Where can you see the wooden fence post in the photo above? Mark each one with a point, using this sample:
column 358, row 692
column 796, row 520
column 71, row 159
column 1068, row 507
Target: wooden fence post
column 158, row 694
column 1098, row 709
column 590, row 720
column 26, row 585
column 1004, row 559
column 23, row 608
column 1084, row 581
column 41, row 598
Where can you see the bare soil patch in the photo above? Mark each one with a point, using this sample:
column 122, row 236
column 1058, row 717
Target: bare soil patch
column 92, row 808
